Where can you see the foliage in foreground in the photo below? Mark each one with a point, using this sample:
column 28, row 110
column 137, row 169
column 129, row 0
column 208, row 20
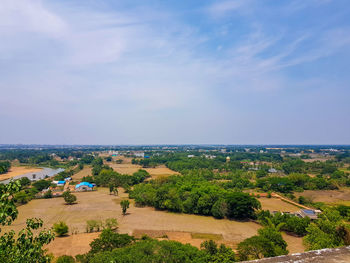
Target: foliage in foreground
column 24, row 246
column 328, row 231
column 114, row 247
column 268, row 243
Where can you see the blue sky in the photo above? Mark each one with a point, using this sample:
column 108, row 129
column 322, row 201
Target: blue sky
column 168, row 72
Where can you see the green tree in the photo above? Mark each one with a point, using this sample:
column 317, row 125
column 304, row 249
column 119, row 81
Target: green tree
column 111, row 223
column 268, row 243
column 108, row 240
column 24, row 246
column 219, row 209
column 327, row 232
column 60, row 228
column 125, row 205
column 70, row 198
column 48, row 194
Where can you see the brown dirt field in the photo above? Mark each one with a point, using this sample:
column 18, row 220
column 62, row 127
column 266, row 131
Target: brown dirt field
column 85, row 172
column 275, row 204
column 295, row 244
column 125, row 168
column 100, row 205
column 71, row 245
column 341, row 196
column 18, row 170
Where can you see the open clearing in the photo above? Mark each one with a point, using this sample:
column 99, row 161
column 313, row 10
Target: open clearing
column 276, row 204
column 85, row 172
column 99, row 204
column 126, row 167
column 341, row 196
column 19, row 170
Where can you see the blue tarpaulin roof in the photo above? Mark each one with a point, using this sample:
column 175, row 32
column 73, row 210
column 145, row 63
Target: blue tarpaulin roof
column 84, row 184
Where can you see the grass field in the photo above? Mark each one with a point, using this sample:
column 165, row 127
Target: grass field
column 99, row 204
column 341, row 196
column 19, row 170
column 85, row 172
column 275, row 204
column 126, row 167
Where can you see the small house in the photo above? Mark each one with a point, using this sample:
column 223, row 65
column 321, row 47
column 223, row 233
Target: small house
column 61, row 183
column 84, row 186
column 308, row 213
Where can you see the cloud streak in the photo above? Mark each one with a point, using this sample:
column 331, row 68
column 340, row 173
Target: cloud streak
column 120, row 68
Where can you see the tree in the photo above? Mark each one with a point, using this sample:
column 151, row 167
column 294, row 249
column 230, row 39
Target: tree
column 108, row 240
column 125, row 205
column 41, row 184
column 327, row 232
column 21, row 198
column 24, row 246
column 69, row 198
column 241, row 205
column 61, row 228
column 111, row 188
column 268, row 243
column 24, row 181
column 111, row 223
column 219, row 209
column 48, row 194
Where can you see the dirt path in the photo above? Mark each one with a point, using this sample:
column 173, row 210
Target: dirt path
column 290, row 201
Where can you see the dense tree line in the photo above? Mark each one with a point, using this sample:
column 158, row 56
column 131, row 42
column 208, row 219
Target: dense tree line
column 290, row 223
column 4, row 167
column 195, row 195
column 300, row 182
column 108, row 176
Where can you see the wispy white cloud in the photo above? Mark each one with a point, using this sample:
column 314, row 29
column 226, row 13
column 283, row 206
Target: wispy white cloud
column 81, row 63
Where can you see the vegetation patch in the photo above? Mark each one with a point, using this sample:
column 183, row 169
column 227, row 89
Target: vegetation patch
column 207, row 236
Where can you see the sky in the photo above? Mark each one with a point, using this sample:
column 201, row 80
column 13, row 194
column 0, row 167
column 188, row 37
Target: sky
column 174, row 72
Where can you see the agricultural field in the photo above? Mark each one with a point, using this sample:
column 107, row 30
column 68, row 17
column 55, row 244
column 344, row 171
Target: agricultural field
column 341, row 196
column 100, row 205
column 19, row 170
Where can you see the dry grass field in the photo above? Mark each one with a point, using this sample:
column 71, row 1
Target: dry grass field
column 19, row 170
column 276, row 204
column 126, row 167
column 99, row 204
column 85, row 172
column 341, row 196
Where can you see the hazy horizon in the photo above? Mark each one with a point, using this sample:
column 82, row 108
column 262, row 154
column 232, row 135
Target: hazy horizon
column 232, row 72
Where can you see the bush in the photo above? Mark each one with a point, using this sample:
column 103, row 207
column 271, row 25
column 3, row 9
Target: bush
column 65, row 259
column 93, row 225
column 69, row 198
column 125, row 205
column 48, row 194
column 61, row 228
column 111, row 223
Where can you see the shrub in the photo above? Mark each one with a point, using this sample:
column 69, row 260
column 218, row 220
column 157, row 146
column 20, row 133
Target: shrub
column 69, row 198
column 125, row 205
column 48, row 194
column 61, row 228
column 65, row 259
column 111, row 223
